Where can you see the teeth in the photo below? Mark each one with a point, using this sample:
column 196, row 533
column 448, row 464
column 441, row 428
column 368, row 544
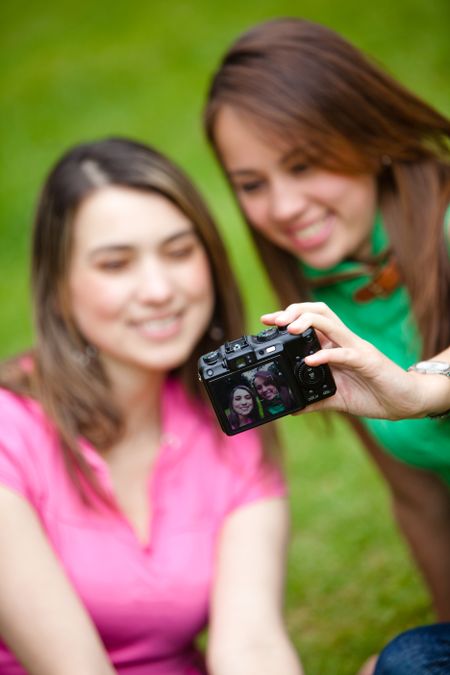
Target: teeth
column 311, row 230
column 158, row 324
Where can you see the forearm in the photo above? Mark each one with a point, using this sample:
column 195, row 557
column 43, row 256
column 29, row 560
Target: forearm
column 270, row 656
column 247, row 634
column 60, row 638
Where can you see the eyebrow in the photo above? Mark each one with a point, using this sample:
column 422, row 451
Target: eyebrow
column 284, row 159
column 292, row 154
column 242, row 172
column 118, row 248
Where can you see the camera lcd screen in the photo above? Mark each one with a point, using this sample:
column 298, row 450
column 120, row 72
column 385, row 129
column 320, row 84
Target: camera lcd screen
column 254, row 395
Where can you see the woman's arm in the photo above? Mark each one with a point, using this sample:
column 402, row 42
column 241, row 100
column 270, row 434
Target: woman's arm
column 368, row 383
column 247, row 635
column 41, row 619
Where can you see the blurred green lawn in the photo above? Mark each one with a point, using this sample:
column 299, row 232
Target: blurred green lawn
column 81, row 70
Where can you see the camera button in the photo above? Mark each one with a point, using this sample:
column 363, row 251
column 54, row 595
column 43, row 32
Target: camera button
column 312, row 397
column 309, row 375
column 309, row 335
column 211, row 357
column 267, row 334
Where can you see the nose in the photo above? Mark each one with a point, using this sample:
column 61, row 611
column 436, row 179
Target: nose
column 287, row 200
column 154, row 283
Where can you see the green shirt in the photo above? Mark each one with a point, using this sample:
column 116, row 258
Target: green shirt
column 274, row 407
column 388, row 323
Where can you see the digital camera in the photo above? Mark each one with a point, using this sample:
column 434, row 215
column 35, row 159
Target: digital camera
column 258, row 378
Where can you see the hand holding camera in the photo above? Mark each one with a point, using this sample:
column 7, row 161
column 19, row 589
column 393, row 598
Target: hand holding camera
column 258, row 378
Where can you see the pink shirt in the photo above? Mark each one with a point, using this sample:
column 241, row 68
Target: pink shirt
column 147, row 601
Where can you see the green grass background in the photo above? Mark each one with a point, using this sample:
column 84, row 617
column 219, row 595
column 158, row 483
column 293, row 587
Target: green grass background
column 80, row 70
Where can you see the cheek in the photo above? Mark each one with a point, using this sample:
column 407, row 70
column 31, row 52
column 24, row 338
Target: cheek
column 365, row 205
column 94, row 300
column 199, row 280
column 333, row 189
column 255, row 211
column 355, row 198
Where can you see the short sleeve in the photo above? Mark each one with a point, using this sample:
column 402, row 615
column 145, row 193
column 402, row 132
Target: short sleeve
column 254, row 476
column 19, row 436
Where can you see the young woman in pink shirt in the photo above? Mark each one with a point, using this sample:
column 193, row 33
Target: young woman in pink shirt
column 129, row 521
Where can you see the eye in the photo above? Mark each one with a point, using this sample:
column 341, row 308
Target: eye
column 183, row 251
column 113, row 264
column 299, row 167
column 249, row 186
column 180, row 252
column 181, row 247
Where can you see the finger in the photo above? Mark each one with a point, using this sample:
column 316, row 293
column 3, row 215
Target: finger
column 296, row 310
column 331, row 327
column 336, row 356
column 271, row 317
column 325, row 343
column 285, row 316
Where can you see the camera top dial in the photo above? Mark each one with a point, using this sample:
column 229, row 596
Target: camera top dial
column 267, row 334
column 211, row 357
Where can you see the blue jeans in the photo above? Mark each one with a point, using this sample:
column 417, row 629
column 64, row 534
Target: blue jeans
column 420, row 651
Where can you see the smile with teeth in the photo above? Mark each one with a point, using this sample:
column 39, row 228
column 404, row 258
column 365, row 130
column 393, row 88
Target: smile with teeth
column 311, row 230
column 160, row 323
column 160, row 327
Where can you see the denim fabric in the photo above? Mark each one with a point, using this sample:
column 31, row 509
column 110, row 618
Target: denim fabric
column 420, row 651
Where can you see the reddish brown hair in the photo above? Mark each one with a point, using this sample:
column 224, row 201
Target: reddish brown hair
column 301, row 82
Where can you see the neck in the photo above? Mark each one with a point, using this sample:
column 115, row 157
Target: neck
column 137, row 394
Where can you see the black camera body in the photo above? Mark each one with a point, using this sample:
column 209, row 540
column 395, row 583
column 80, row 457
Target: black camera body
column 258, row 378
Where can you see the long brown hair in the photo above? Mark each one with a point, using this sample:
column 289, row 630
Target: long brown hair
column 301, row 82
column 63, row 372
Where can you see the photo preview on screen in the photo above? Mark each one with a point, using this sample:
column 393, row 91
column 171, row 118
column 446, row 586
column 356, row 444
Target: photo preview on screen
column 258, row 378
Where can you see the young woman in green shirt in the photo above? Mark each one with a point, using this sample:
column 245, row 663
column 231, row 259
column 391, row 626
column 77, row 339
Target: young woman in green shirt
column 343, row 177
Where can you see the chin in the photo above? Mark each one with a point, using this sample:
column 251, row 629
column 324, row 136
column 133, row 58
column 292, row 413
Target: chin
column 322, row 260
column 171, row 362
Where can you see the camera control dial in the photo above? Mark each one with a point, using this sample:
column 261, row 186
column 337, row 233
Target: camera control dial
column 267, row 334
column 309, row 375
column 211, row 357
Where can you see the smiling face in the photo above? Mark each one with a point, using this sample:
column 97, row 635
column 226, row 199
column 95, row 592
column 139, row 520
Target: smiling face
column 319, row 216
column 140, row 285
column 265, row 388
column 242, row 402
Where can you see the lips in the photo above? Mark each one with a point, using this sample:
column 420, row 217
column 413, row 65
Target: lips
column 312, row 235
column 161, row 327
